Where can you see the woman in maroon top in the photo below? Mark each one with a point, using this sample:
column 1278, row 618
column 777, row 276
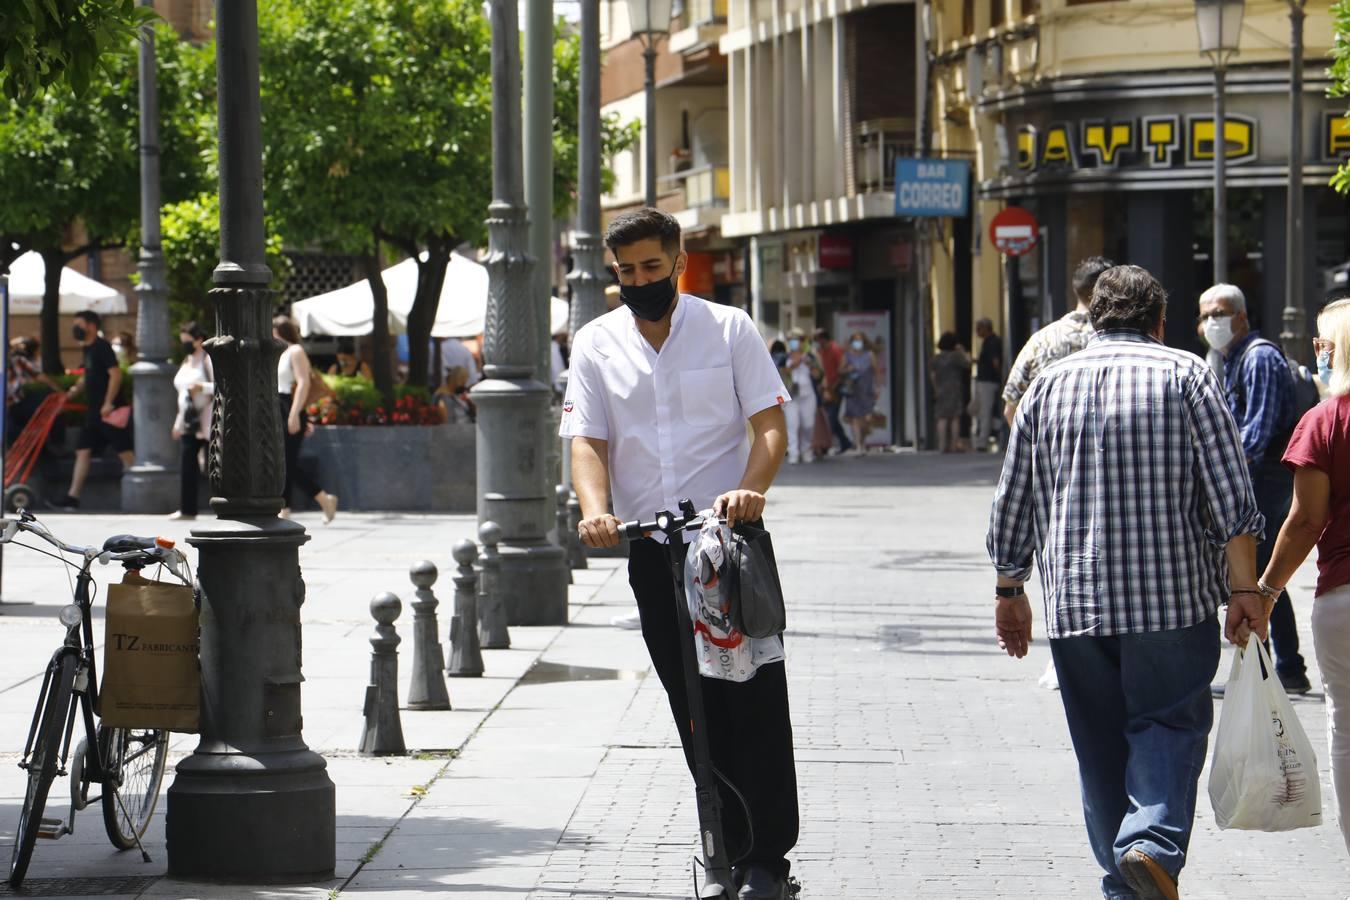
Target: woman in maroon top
column 1319, row 454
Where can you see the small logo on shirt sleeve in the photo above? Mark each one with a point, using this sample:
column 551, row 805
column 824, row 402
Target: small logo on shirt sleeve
column 781, row 400
column 567, row 407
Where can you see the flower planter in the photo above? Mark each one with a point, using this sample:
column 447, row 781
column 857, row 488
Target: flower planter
column 397, row 468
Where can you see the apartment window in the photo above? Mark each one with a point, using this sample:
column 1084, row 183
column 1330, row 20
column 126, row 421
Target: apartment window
column 997, row 13
column 967, row 18
column 1030, row 7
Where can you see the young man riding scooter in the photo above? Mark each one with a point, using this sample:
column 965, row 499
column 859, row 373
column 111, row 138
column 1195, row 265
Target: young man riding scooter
column 658, row 396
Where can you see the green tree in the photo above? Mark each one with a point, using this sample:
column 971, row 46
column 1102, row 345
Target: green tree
column 44, row 43
column 378, row 135
column 72, row 167
column 1340, row 76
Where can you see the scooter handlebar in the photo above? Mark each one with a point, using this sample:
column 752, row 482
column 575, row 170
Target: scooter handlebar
column 633, row 531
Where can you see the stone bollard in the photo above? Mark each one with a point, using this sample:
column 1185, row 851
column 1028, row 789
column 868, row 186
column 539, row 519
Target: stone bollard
column 428, row 672
column 492, row 631
column 466, row 660
column 383, row 733
column 560, row 524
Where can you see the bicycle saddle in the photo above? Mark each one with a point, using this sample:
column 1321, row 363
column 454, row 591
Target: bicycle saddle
column 125, row 543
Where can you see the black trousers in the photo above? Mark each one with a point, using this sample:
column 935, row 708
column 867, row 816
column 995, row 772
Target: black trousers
column 1273, row 485
column 296, row 477
column 189, row 444
column 749, row 728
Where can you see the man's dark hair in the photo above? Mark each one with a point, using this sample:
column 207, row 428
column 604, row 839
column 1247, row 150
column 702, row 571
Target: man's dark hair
column 1127, row 298
column 1086, row 275
column 92, row 318
column 822, row 333
column 947, row 341
column 641, row 224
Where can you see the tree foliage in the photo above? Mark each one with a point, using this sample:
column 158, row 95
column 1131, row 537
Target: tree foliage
column 71, row 165
column 1340, row 76
column 48, row 43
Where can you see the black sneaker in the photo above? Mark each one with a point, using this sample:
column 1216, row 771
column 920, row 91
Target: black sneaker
column 67, row 503
column 760, row 883
column 1295, row 683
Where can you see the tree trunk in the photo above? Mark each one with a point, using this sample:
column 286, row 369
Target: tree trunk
column 380, row 365
column 422, row 316
column 50, row 330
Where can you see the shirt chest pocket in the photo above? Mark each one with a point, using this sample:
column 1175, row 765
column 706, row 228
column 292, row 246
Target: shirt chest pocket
column 708, row 396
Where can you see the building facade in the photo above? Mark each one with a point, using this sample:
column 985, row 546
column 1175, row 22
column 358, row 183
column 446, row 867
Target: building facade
column 1097, row 117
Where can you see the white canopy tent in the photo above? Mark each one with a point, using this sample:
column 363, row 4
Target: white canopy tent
column 350, row 311
column 27, row 282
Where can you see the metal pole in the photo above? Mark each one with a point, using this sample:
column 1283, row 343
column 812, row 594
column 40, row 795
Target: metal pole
column 1220, row 186
column 649, row 180
column 1292, row 335
column 588, row 256
column 514, row 485
column 151, row 485
column 539, row 171
column 252, row 803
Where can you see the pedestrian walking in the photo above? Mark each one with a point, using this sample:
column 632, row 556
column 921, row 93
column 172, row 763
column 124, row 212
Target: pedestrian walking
column 658, row 398
column 107, row 421
column 947, row 371
column 1260, row 390
column 858, row 385
column 1124, row 482
column 293, row 379
column 803, row 373
column 1057, row 340
column 1319, row 456
column 831, row 356
column 988, row 381
column 195, row 383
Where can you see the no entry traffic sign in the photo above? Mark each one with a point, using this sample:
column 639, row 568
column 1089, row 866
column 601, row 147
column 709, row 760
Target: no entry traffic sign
column 1014, row 231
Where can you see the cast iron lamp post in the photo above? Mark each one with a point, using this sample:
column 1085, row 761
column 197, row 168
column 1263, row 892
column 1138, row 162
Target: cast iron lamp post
column 252, row 803
column 650, row 21
column 514, row 487
column 1292, row 333
column 151, row 485
column 1219, row 22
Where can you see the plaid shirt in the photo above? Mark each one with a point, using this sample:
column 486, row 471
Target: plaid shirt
column 1125, row 479
column 1062, row 337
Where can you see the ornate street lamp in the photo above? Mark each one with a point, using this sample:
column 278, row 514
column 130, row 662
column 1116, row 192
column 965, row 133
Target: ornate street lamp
column 650, row 21
column 1219, row 22
column 1291, row 335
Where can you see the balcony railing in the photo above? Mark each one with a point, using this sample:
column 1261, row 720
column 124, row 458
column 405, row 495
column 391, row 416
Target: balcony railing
column 705, row 187
column 880, row 142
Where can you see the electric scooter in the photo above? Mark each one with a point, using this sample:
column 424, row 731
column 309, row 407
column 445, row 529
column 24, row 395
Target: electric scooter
column 719, row 881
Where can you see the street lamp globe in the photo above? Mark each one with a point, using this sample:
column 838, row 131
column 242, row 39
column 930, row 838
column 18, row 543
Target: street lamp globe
column 650, row 19
column 1218, row 22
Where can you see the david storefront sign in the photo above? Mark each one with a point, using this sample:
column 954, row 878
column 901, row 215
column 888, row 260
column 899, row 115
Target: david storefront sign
column 1014, row 231
column 932, row 187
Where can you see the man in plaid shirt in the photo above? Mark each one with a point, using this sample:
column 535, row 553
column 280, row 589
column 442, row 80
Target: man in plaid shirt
column 1125, row 480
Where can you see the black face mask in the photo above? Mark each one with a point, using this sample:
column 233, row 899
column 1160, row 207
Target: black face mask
column 79, row 333
column 189, row 347
column 649, row 301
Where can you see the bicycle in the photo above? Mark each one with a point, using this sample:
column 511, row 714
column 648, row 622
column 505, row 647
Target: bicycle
column 128, row 762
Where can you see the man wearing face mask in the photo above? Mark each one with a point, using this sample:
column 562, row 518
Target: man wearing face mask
column 658, row 397
column 1260, row 389
column 101, row 384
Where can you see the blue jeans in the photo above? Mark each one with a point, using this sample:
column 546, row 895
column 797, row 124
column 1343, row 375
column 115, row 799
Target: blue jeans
column 1139, row 712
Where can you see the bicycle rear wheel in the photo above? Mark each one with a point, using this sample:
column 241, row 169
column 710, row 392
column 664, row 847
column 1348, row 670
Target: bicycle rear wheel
column 135, row 758
column 42, row 763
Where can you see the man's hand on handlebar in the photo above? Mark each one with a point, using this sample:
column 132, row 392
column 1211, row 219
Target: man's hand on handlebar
column 601, row 531
column 739, row 506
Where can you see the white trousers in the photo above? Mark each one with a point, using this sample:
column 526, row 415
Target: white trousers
column 982, row 411
column 1331, row 639
column 801, row 423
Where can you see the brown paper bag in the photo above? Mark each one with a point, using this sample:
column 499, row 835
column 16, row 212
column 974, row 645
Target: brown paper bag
column 151, row 676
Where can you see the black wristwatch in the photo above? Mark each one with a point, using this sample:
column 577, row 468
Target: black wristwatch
column 1018, row 591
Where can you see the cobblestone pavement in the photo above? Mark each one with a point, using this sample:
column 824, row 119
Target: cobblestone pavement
column 930, row 764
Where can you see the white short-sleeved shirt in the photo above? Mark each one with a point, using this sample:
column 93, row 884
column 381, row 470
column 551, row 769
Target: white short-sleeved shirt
column 674, row 420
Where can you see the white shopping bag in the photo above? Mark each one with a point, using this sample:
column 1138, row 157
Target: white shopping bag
column 1264, row 774
column 722, row 651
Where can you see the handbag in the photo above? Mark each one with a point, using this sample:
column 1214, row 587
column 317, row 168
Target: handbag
column 757, row 607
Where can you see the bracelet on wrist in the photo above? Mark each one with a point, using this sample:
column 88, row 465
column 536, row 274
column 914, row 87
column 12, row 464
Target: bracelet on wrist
column 1266, row 590
column 1010, row 592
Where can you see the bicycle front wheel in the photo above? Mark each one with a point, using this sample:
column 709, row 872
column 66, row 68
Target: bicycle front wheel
column 42, row 763
column 136, row 758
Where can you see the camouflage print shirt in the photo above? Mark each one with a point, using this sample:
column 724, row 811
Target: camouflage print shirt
column 1052, row 343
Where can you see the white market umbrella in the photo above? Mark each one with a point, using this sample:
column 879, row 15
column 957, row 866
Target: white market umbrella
column 27, row 282
column 350, row 311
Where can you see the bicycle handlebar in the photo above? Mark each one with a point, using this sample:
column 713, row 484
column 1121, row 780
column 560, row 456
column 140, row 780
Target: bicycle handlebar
column 173, row 559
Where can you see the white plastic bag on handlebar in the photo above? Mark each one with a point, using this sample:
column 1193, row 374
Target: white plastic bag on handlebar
column 722, row 651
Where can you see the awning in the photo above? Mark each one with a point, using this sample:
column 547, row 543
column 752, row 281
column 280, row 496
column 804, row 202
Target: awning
column 27, row 282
